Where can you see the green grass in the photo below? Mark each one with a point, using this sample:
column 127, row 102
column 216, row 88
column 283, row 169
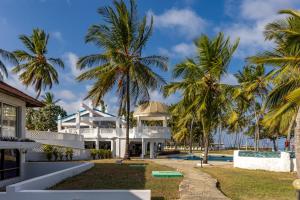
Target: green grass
column 253, row 184
column 108, row 175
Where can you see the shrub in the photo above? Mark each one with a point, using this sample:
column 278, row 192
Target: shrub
column 55, row 153
column 93, row 153
column 48, row 150
column 169, row 152
column 100, row 153
column 69, row 153
column 60, row 154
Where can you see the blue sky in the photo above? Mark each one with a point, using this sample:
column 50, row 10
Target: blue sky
column 177, row 23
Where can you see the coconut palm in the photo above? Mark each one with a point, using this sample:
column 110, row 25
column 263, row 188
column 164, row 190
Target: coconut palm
column 286, row 58
column 253, row 89
column 35, row 67
column 121, row 66
column 6, row 55
column 48, row 99
column 200, row 84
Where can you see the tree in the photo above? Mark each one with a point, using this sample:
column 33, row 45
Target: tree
column 35, row 68
column 48, row 99
column 121, row 66
column 45, row 118
column 6, row 55
column 253, row 90
column 285, row 57
column 201, row 85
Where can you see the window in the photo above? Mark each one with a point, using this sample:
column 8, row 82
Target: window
column 9, row 163
column 8, row 121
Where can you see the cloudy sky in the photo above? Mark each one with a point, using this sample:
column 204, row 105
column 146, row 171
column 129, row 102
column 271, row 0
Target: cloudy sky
column 177, row 24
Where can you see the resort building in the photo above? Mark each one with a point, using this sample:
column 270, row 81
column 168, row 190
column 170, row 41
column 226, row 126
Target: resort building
column 13, row 144
column 102, row 130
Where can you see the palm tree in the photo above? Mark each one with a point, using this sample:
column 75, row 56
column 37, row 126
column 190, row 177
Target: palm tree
column 285, row 57
column 6, row 55
column 200, row 82
column 48, row 99
column 35, row 68
column 253, row 89
column 121, row 66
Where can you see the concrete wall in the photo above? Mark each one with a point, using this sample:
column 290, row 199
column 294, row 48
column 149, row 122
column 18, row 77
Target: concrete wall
column 79, row 154
column 282, row 164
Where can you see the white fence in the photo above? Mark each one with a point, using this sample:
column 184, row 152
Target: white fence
column 282, row 163
column 33, row 189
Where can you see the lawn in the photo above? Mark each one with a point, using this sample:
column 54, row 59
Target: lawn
column 253, row 184
column 108, row 175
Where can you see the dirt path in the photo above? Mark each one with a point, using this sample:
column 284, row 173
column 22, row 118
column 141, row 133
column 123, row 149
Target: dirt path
column 196, row 185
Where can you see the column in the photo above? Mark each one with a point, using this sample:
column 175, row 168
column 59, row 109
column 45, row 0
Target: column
column 165, row 122
column 118, row 129
column 59, row 123
column 91, row 115
column 78, row 122
column 97, row 137
column 143, row 148
column 151, row 150
column 113, row 148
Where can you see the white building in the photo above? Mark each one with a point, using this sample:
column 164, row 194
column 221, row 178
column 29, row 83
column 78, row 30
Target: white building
column 102, row 130
column 13, row 147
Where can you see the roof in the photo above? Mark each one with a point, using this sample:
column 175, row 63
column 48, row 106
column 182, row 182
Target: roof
column 11, row 91
column 72, row 116
column 152, row 108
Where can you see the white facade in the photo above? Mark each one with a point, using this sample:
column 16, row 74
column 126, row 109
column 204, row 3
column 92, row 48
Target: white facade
column 13, row 105
column 100, row 129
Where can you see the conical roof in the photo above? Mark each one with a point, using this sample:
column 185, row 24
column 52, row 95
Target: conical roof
column 152, row 108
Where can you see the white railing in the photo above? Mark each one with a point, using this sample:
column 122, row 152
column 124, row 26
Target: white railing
column 47, row 135
column 143, row 132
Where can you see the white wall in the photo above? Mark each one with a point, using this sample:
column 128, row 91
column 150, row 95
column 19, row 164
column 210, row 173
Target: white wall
column 282, row 164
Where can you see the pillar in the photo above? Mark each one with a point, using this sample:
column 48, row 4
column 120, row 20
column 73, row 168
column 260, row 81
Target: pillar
column 78, row 122
column 91, row 115
column 59, row 123
column 165, row 122
column 143, row 148
column 113, row 148
column 151, row 150
column 97, row 137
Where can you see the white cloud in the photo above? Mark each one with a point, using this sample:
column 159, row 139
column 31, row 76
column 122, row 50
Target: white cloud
column 158, row 96
column 70, row 107
column 65, row 94
column 250, row 18
column 71, row 61
column 180, row 50
column 57, row 35
column 185, row 22
column 229, row 79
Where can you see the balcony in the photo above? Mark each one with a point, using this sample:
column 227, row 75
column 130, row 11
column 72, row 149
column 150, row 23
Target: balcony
column 142, row 132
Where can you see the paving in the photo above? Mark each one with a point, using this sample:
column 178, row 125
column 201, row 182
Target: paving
column 196, row 184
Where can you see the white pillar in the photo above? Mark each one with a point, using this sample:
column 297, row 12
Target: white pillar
column 143, row 148
column 78, row 122
column 113, row 148
column 165, row 122
column 90, row 117
column 97, row 137
column 151, row 150
column 59, row 123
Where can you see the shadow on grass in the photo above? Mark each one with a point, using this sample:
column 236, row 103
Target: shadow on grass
column 129, row 175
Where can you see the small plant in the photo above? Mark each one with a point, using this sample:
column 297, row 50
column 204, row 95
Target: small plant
column 93, row 153
column 60, row 154
column 69, row 153
column 48, row 150
column 55, row 153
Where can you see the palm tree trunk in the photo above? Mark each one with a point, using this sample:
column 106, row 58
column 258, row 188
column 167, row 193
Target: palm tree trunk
column 256, row 129
column 206, row 142
column 127, row 154
column 297, row 142
column 191, row 136
column 290, row 131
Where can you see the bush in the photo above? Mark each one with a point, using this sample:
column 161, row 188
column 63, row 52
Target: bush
column 48, row 150
column 69, row 153
column 169, row 152
column 60, row 154
column 55, row 153
column 93, row 153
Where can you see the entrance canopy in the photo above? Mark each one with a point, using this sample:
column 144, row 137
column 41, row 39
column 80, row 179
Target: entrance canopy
column 152, row 111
